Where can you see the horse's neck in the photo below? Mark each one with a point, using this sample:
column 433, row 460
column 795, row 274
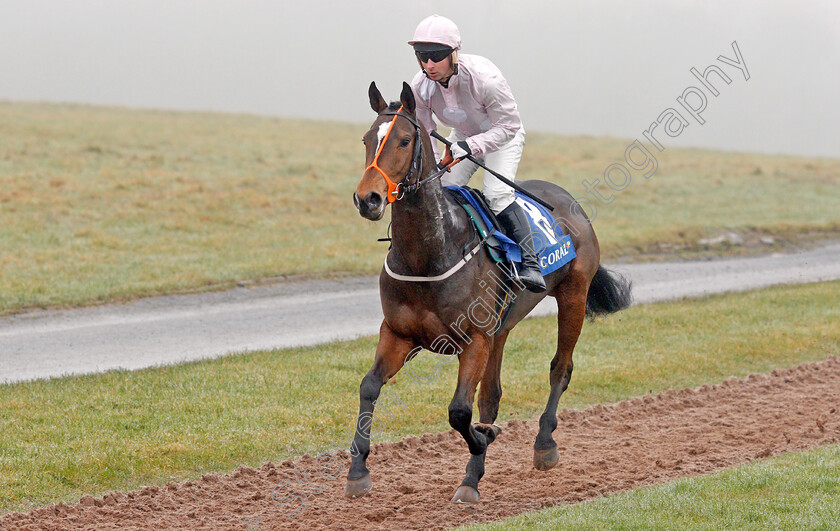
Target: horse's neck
column 424, row 231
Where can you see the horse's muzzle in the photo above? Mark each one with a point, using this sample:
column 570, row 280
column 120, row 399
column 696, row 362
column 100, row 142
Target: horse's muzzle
column 371, row 207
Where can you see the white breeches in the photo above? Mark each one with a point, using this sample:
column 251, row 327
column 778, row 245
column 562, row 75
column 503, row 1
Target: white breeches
column 505, row 162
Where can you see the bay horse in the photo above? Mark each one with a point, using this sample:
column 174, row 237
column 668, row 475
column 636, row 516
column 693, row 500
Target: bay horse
column 433, row 278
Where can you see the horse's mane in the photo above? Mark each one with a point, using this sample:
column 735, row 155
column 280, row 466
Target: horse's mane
column 394, row 106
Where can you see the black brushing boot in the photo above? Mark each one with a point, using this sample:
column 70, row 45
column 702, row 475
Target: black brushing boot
column 517, row 228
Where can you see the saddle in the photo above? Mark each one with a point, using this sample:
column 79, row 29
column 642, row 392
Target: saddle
column 553, row 248
column 499, row 247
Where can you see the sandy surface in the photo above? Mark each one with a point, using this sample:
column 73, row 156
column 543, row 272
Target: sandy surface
column 603, row 449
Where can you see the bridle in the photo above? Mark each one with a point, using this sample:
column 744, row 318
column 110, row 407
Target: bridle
column 398, row 190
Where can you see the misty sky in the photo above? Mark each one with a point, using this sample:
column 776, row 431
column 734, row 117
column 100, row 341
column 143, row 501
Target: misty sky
column 575, row 67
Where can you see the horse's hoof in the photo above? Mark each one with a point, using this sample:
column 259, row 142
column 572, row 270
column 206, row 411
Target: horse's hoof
column 355, row 488
column 465, row 494
column 546, row 459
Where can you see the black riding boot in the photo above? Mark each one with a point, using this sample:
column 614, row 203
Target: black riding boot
column 517, row 228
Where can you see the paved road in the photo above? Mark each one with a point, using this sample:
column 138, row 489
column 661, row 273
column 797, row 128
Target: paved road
column 174, row 329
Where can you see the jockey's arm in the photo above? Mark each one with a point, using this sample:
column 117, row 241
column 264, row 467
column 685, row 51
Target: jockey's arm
column 503, row 114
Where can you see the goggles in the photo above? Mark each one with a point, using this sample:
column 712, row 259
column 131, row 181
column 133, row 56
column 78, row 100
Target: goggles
column 435, row 56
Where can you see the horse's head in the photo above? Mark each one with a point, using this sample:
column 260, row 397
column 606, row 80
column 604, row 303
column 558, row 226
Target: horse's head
column 394, row 153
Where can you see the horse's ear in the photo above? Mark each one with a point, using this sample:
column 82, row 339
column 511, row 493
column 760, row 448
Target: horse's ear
column 377, row 102
column 407, row 98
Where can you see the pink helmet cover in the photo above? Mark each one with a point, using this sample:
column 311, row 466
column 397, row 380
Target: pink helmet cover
column 439, row 30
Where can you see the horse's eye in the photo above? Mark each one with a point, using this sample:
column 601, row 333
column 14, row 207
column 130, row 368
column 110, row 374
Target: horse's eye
column 405, row 142
column 363, row 142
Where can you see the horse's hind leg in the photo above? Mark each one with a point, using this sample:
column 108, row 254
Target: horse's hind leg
column 472, row 363
column 390, row 357
column 571, row 309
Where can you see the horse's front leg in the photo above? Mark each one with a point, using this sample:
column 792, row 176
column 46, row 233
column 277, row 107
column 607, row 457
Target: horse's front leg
column 390, row 357
column 472, row 362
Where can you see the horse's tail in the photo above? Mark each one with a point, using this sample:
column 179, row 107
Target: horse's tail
column 609, row 292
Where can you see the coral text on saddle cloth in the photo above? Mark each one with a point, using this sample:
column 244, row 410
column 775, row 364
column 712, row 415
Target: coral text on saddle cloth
column 553, row 250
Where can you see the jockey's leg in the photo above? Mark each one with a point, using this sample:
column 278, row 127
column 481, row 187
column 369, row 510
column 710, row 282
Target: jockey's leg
column 505, row 162
column 514, row 222
column 500, row 196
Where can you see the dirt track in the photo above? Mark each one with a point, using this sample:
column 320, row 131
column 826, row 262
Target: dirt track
column 603, row 449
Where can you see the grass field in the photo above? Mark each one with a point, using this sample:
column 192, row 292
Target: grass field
column 105, row 204
column 799, row 490
column 62, row 438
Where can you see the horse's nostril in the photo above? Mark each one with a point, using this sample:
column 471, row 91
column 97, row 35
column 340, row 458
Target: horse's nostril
column 356, row 199
column 373, row 200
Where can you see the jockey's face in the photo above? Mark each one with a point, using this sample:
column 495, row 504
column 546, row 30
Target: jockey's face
column 438, row 71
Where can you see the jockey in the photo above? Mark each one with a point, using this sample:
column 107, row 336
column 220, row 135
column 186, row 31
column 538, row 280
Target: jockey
column 469, row 94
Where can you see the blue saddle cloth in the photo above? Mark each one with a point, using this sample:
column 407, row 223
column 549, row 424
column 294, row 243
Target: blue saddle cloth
column 553, row 248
